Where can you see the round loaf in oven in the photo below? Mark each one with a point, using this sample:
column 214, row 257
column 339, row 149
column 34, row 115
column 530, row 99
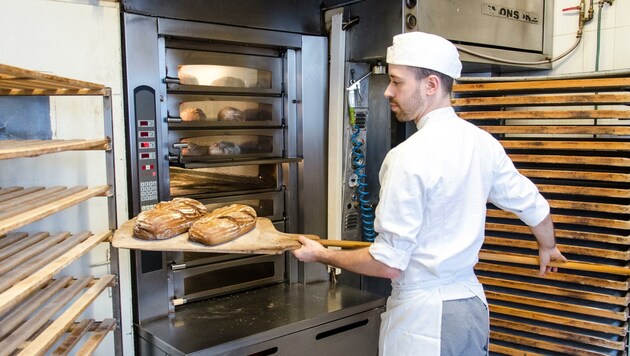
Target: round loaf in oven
column 229, row 113
column 168, row 219
column 192, row 114
column 223, row 225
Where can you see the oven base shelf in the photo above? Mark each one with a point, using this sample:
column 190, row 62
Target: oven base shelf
column 313, row 316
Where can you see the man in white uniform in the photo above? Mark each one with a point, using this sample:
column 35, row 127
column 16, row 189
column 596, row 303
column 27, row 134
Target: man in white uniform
column 431, row 215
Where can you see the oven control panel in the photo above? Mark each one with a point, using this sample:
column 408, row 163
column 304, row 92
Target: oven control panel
column 146, row 149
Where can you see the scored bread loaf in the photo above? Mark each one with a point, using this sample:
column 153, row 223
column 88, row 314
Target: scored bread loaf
column 168, row 219
column 223, row 224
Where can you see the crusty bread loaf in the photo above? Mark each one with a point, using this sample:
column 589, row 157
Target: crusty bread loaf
column 168, row 219
column 192, row 114
column 223, row 224
column 229, row 113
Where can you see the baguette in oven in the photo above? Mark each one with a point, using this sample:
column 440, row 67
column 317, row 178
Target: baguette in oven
column 168, row 219
column 223, row 225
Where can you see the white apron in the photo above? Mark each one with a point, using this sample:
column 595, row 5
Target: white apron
column 412, row 322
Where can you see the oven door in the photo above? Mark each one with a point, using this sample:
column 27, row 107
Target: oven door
column 211, row 111
column 227, row 145
column 190, row 70
column 200, row 282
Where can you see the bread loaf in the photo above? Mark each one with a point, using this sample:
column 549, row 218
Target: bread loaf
column 223, row 225
column 192, row 114
column 229, row 113
column 168, row 219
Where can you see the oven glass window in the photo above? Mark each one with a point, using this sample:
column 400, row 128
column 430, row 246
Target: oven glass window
column 226, row 277
column 225, row 111
column 224, row 76
column 201, row 182
column 232, row 145
column 263, row 207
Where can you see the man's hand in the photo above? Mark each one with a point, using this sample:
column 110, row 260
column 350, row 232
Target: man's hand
column 310, row 251
column 547, row 254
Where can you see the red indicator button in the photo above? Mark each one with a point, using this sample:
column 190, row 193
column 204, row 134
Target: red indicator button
column 144, row 155
column 144, row 134
column 144, row 123
column 147, row 167
column 145, row 145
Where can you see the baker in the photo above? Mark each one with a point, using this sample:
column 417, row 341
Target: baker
column 431, row 215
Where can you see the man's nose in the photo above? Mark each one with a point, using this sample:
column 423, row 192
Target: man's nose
column 388, row 92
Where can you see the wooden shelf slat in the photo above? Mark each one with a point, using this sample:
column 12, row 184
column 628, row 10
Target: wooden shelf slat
column 506, row 350
column 560, row 334
column 554, row 305
column 42, row 211
column 19, row 291
column 578, row 160
column 599, row 145
column 97, row 337
column 20, row 269
column 487, row 255
column 20, row 246
column 39, row 319
column 10, row 239
column 33, row 148
column 73, row 338
column 545, row 114
column 569, row 219
column 571, row 249
column 48, row 337
column 555, row 290
column 16, row 202
column 532, row 100
column 560, row 276
column 542, row 344
column 589, row 206
column 557, row 319
column 557, row 129
column 591, row 84
column 15, row 318
column 12, row 194
column 19, row 81
column 567, row 234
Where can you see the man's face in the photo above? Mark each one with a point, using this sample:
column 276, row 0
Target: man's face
column 405, row 93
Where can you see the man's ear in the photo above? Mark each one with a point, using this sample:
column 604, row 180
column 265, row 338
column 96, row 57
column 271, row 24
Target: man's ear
column 433, row 84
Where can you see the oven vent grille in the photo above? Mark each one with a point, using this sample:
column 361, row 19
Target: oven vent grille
column 361, row 118
column 351, row 221
column 571, row 137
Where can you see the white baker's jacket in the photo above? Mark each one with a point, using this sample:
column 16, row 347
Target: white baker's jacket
column 430, row 220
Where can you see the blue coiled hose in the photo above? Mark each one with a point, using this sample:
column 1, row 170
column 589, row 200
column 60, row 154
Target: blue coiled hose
column 367, row 212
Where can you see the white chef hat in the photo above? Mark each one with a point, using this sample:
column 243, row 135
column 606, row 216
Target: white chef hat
column 425, row 50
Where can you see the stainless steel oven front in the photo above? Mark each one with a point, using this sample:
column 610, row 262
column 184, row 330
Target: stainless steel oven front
column 210, row 119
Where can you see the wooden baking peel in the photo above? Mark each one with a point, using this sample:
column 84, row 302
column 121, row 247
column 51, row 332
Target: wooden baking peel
column 263, row 239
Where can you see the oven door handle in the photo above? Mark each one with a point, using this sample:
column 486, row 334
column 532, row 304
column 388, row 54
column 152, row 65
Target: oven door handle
column 174, row 120
column 171, row 80
column 179, row 146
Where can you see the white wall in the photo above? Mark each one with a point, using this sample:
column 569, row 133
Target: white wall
column 79, row 39
column 615, row 34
